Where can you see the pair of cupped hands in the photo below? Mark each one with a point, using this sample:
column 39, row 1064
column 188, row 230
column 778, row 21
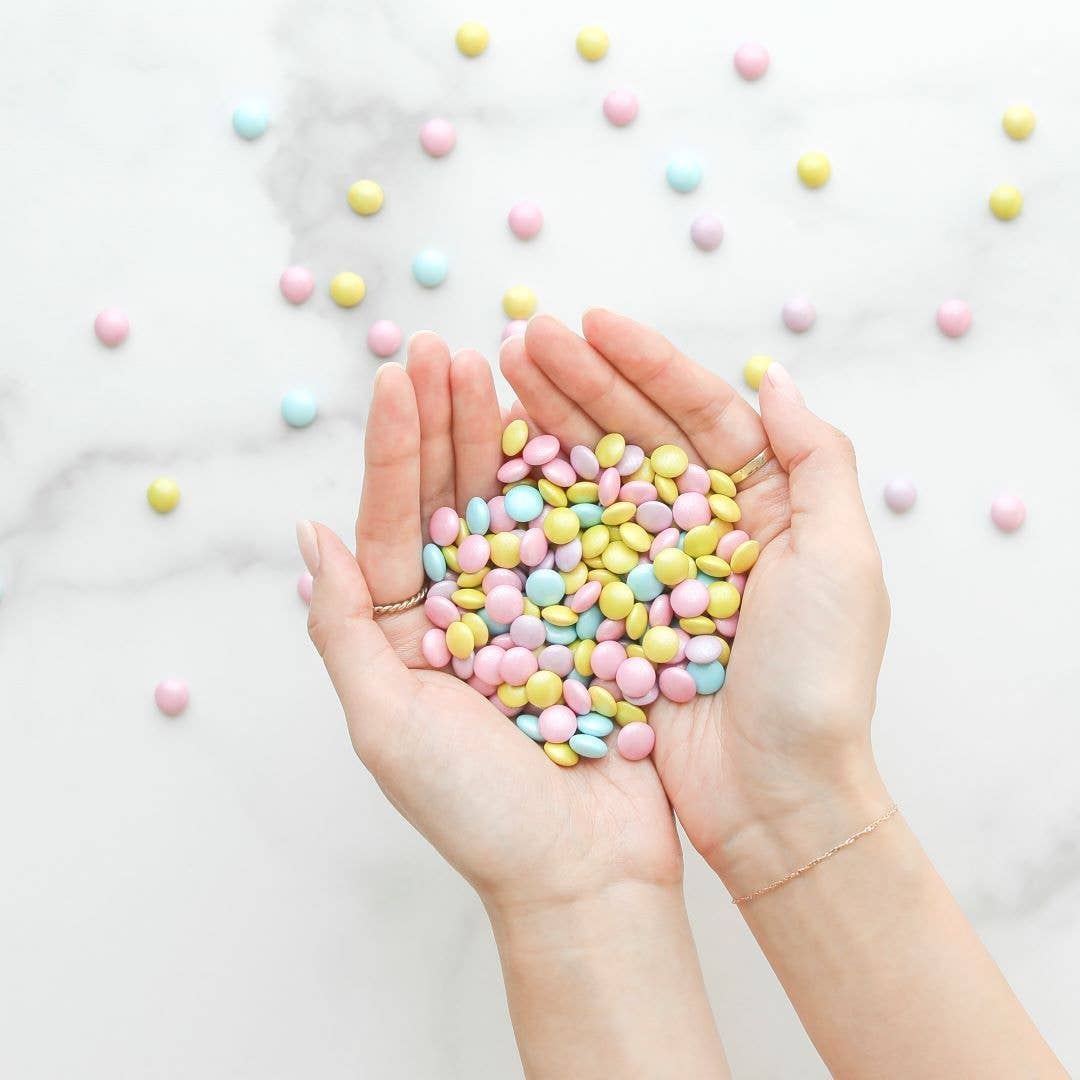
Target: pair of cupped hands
column 742, row 769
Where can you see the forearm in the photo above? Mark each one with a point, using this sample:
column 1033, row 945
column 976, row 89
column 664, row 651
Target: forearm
column 608, row 986
column 881, row 964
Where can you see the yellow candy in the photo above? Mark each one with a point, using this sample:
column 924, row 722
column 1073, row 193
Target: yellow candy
column 472, row 38
column 459, row 640
column 625, row 713
column 660, row 643
column 596, row 564
column 544, row 688
column 528, row 481
column 472, row 581
column 513, row 697
column 698, row 626
column 561, row 525
column 721, row 483
column 574, row 579
column 559, row 615
column 754, row 371
column 724, row 507
column 531, row 609
column 594, row 540
column 470, row 599
column 635, row 537
column 505, row 550
column 514, row 437
column 646, row 472
column 618, row 512
column 666, row 488
column 637, row 621
column 519, row 302
column 347, row 289
column 744, row 556
column 618, row 558
column 603, row 701
column 592, row 43
column 583, row 657
column 1006, row 202
column 584, row 491
column 609, row 450
column 450, row 555
column 724, row 526
column 163, row 494
column 605, row 577
column 365, row 197
column 462, row 530
column 1018, row 121
column 634, row 649
column 713, row 565
column 616, row 600
column 669, row 461
column 671, row 566
column 725, row 652
column 701, row 540
column 478, row 629
column 561, row 754
column 613, row 532
column 553, row 494
column 691, row 570
column 814, row 169
column 724, row 600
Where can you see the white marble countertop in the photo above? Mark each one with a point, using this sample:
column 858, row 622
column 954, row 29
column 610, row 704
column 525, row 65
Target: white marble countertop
column 227, row 894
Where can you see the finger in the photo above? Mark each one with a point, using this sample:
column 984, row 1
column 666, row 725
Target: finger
column 723, row 427
column 476, row 427
column 388, row 534
column 585, row 376
column 429, row 368
column 553, row 412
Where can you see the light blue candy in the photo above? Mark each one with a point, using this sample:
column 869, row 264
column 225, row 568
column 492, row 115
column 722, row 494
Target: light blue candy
column 530, row 725
column 578, row 677
column 559, row 635
column 523, row 503
column 298, row 408
column 706, row 579
column 588, row 622
column 684, row 172
column 434, row 562
column 644, row 583
column 592, row 723
column 494, row 627
column 588, row 746
column 477, row 515
column 708, row 678
column 250, row 120
column 545, row 587
column 588, row 514
column 430, row 267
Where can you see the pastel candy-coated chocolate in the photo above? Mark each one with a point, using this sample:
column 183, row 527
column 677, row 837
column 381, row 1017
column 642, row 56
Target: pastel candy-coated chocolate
column 525, row 219
column 703, row 649
column 556, row 658
column 606, row 658
column 707, row 231
column 708, row 678
column 684, row 172
column 677, row 684
column 523, row 503
column 636, row 741
column 1008, row 512
column 588, row 746
column 584, row 462
column 384, row 337
column 477, row 515
column 434, row 649
column 592, row 723
column 299, row 408
column 751, row 60
column 171, row 696
column 444, row 525
column 430, row 267
column 304, row 586
column 954, row 318
column 558, row 723
column 487, row 664
column 504, row 603
column 296, row 284
column 438, row 137
column 621, row 106
column 473, row 554
column 900, row 494
column 111, row 326
column 530, row 725
column 798, row 314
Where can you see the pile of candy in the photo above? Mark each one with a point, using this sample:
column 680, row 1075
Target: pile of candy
column 596, row 582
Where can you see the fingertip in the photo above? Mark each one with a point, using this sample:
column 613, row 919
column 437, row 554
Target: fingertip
column 544, row 332
column 426, row 347
column 511, row 354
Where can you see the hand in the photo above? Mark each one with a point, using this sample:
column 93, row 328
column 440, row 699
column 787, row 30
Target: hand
column 779, row 761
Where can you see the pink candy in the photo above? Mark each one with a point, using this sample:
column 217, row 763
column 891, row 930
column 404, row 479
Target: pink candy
column 704, row 649
column 444, row 526
column 541, row 449
column 557, row 723
column 438, row 137
column 525, row 219
column 954, row 318
column 584, row 463
column 689, row 598
column 607, row 658
column 636, row 676
column 691, row 509
column 729, row 542
column 504, row 603
column 515, row 328
column 172, row 696
column 677, row 684
column 621, row 106
column 384, row 337
column 751, row 60
column 706, row 231
column 900, row 494
column 517, row 665
column 111, row 327
column 577, row 697
column 527, row 631
column 636, row 740
column 1008, row 512
column 609, row 486
column 473, row 554
column 798, row 314
column 304, row 584
column 296, row 284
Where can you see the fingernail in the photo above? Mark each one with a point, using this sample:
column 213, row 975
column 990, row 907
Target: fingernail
column 781, row 381
column 308, row 541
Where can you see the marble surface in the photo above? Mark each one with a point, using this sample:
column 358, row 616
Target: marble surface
column 227, row 894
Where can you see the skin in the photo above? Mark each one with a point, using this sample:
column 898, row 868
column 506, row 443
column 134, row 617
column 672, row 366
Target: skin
column 884, row 970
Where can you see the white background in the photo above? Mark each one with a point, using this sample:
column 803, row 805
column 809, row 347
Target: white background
column 227, row 894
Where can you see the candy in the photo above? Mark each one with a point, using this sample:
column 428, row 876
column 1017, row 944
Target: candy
column 706, row 231
column 900, row 494
column 296, row 284
column 304, row 586
column 1006, row 202
column 636, row 741
column 798, row 314
column 250, row 119
column 525, row 219
column 163, row 494
column 814, row 169
column 592, row 43
column 515, row 328
column 954, row 318
column 112, row 327
column 1018, row 121
column 438, row 137
column 430, row 267
column 519, row 302
column 684, row 172
column 754, row 370
column 1008, row 512
column 472, row 38
column 347, row 289
column 751, row 60
column 365, row 197
column 621, row 106
column 172, row 696
column 384, row 337
column 298, row 408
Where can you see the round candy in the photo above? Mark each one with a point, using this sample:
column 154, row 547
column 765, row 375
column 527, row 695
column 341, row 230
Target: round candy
column 472, row 38
column 798, row 314
column 505, row 604
column 434, row 649
column 754, row 370
column 304, row 585
column 954, row 318
column 250, row 120
column 592, row 43
column 438, row 136
column 525, row 219
column 299, row 408
column 365, row 197
column 558, row 723
column 347, row 289
column 515, row 328
column 430, row 267
column 814, row 169
column 296, row 284
column 706, row 231
column 636, row 676
column 621, row 106
column 1008, row 512
column 163, row 494
column 708, row 678
column 636, row 741
column 1018, row 121
column 111, row 326
column 384, row 337
column 900, row 494
column 523, row 503
column 588, row 746
column 751, row 60
column 444, row 526
column 172, row 696
column 519, row 302
column 1006, row 202
column 684, row 172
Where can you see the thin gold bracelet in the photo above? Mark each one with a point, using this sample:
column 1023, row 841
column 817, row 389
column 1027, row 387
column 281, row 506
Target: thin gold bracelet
column 820, row 859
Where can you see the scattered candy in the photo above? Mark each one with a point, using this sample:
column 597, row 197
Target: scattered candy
column 172, row 696
column 299, row 408
column 814, row 169
column 900, row 494
column 519, row 302
column 1008, row 512
column 798, row 314
column 112, row 327
column 954, row 318
column 365, row 197
column 304, row 584
column 707, row 230
column 438, row 137
column 684, row 172
column 384, row 337
column 525, row 219
column 430, row 267
column 592, row 43
column 1006, row 202
column 296, row 284
column 347, row 289
column 1018, row 121
column 472, row 38
column 250, row 120
column 751, row 60
column 514, row 328
column 754, row 370
column 621, row 106
column 163, row 494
